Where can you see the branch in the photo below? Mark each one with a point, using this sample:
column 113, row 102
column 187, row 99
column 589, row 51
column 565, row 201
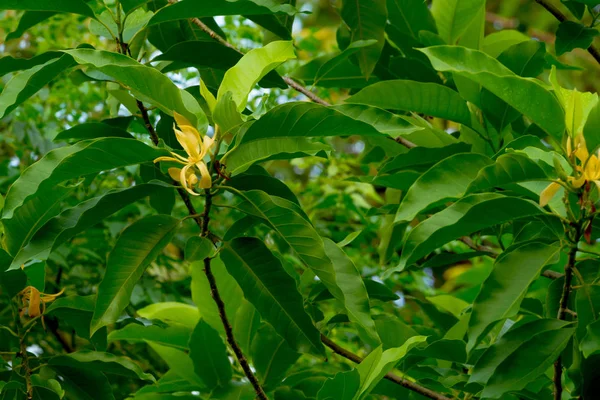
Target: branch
column 415, row 387
column 562, row 18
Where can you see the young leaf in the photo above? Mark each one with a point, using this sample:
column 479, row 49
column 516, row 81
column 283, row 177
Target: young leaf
column 209, row 355
column 272, row 291
column 527, row 96
column 464, row 217
column 427, row 98
column 252, row 67
column 447, row 180
column 135, row 249
column 502, row 292
column 366, row 21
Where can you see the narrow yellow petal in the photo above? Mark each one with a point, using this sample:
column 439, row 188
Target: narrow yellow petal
column 168, row 159
column 174, row 173
column 577, row 183
column 34, row 302
column 184, row 181
column 581, row 151
column 205, row 179
column 548, row 193
column 181, row 120
column 189, row 141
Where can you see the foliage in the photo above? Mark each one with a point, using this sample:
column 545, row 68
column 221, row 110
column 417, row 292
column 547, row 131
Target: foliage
column 281, row 199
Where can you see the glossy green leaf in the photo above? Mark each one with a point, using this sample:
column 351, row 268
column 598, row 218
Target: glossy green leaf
column 527, row 362
column 573, row 35
column 190, row 9
column 382, row 120
column 419, row 158
column 590, row 343
column 343, row 75
column 209, row 355
column 332, row 63
column 504, row 289
column 79, row 218
column 172, row 312
column 163, row 93
column 464, row 217
column 252, row 67
column 496, row 354
column 497, row 42
column 427, row 98
column 135, row 249
column 410, row 17
column 27, row 83
column 179, row 363
column 591, row 130
column 378, row 363
column 366, row 21
column 453, row 17
column 66, row 6
column 92, row 130
column 246, row 324
column 508, row 169
column 10, row 64
column 197, row 248
column 102, row 362
column 174, row 335
column 271, row 355
column 29, row 19
column 528, row 96
column 272, row 291
column 447, row 180
column 343, row 386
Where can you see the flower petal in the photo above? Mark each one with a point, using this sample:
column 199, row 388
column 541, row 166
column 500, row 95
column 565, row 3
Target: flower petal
column 174, row 173
column 168, row 159
column 189, row 140
column 205, row 180
column 548, row 193
column 34, row 302
column 184, row 181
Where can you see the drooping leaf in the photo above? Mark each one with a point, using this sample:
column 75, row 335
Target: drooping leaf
column 66, row 6
column 527, row 96
column 453, row 17
column 101, row 362
column 427, row 98
column 366, row 21
column 209, row 355
column 447, row 180
column 573, row 35
column 464, row 217
column 502, row 292
column 27, row 83
column 79, row 218
column 252, row 67
column 135, row 249
column 272, row 291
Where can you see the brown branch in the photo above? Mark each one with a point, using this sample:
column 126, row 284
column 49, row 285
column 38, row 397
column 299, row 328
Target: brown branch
column 415, row 387
column 552, row 9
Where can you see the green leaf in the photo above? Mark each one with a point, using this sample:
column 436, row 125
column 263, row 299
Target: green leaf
column 174, row 335
column 135, row 249
column 410, row 17
column 284, row 129
column 11, row 282
column 591, row 129
column 527, row 362
column 84, row 384
column 382, row 120
column 378, row 363
column 590, row 343
column 252, row 67
column 27, row 83
column 66, row 6
column 447, row 180
column 163, row 93
column 464, row 217
column 515, row 338
column 504, row 289
column 331, row 64
column 527, row 96
column 271, row 355
column 509, row 168
column 355, row 296
column 101, row 362
column 197, row 248
column 92, row 130
column 422, row 158
column 272, row 291
column 231, row 293
column 209, row 355
column 427, row 98
column 453, row 17
column 10, row 64
column 193, row 9
column 79, row 218
column 366, row 20
column 179, row 363
column 172, row 312
column 28, row 20
column 497, row 42
column 573, row 35
column 343, row 75
column 246, row 323
column 343, row 386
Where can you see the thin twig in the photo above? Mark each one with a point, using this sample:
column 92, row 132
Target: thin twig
column 552, row 9
column 415, row 387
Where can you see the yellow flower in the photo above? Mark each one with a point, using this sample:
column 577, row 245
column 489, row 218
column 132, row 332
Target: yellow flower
column 196, row 148
column 35, row 302
column 588, row 169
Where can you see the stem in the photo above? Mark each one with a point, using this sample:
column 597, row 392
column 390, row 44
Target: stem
column 562, row 18
column 415, row 387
